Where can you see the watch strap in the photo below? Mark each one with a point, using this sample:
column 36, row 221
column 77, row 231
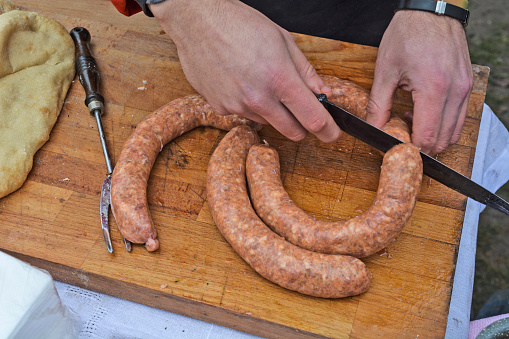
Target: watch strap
column 437, row 7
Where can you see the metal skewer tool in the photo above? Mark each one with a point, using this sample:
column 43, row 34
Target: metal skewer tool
column 89, row 77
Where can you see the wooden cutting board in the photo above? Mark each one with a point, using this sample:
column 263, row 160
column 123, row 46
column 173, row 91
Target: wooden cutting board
column 53, row 220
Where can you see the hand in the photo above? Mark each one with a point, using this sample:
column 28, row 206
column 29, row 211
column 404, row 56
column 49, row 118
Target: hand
column 427, row 55
column 245, row 64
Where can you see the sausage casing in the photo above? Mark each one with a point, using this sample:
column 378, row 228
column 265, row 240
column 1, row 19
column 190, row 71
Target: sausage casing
column 399, row 185
column 132, row 171
column 353, row 98
column 294, row 268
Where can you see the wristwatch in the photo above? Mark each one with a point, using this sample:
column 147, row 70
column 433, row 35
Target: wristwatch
column 144, row 6
column 438, row 7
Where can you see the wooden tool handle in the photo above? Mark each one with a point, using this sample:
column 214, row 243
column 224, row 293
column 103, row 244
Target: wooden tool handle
column 87, row 70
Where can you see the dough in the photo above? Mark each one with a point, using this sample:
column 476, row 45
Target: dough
column 6, row 6
column 36, row 70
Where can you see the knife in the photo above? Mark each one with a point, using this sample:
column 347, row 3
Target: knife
column 433, row 168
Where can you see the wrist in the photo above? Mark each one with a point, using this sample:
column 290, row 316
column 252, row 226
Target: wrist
column 173, row 9
column 426, row 21
column 169, row 13
column 183, row 18
column 144, row 6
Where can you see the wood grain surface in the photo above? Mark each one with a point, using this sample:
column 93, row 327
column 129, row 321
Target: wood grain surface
column 53, row 220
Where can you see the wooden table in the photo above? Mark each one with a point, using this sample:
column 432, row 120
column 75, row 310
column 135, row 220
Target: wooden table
column 53, row 220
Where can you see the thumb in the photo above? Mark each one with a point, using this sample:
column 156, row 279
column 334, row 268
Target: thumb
column 378, row 110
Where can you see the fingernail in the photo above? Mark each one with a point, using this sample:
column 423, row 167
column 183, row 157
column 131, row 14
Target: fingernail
column 325, row 90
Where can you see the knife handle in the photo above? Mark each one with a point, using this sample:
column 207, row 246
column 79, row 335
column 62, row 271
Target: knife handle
column 87, row 70
column 322, row 98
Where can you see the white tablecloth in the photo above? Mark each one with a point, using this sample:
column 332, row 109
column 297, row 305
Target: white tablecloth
column 491, row 170
column 104, row 316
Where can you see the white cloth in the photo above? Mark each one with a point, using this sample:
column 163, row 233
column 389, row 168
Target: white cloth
column 491, row 170
column 105, row 316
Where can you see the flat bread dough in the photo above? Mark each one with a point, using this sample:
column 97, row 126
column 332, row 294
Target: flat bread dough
column 36, row 70
column 6, row 6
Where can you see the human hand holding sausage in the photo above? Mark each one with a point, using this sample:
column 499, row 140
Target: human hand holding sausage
column 428, row 56
column 245, row 64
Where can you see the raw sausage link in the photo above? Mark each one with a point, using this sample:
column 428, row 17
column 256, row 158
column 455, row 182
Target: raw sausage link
column 132, row 171
column 354, row 99
column 294, row 268
column 364, row 235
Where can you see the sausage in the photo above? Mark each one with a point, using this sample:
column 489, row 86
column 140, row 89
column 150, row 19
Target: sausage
column 353, row 98
column 132, row 171
column 294, row 268
column 361, row 236
column 399, row 185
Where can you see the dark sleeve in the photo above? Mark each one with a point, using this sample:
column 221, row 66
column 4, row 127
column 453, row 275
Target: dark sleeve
column 357, row 21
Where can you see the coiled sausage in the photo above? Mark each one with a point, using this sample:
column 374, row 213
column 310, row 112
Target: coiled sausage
column 399, row 185
column 294, row 268
column 361, row 236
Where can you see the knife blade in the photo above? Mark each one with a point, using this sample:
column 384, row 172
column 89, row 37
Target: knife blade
column 433, row 168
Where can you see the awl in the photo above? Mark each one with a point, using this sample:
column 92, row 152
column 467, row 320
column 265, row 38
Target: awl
column 433, row 168
column 89, row 77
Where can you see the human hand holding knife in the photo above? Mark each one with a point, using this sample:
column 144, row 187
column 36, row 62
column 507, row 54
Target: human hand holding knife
column 433, row 168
